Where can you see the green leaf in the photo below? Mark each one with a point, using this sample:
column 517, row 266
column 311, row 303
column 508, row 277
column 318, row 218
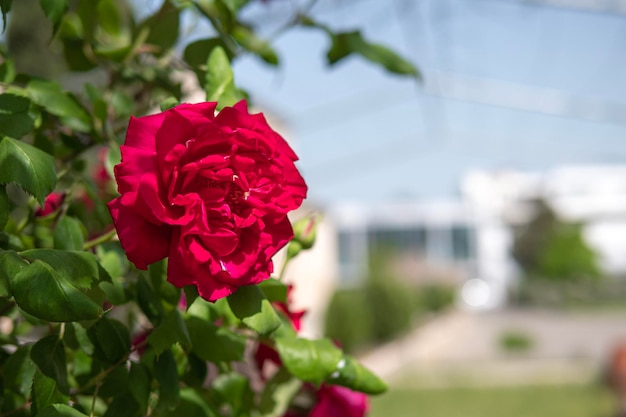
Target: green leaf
column 49, row 355
column 15, row 117
column 75, row 56
column 69, row 234
column 111, row 340
column 193, row 405
column 196, row 54
column 166, row 374
column 115, row 383
column 355, row 376
column 310, row 360
column 27, row 166
column 346, row 43
column 80, row 268
column 109, row 17
column 213, row 343
column 234, row 390
column 18, row 370
column 7, row 69
column 274, row 290
column 44, row 393
column 250, row 42
column 195, row 372
column 164, row 27
column 113, row 259
column 278, row 394
column 254, row 310
column 5, row 8
column 55, row 10
column 220, row 80
column 149, row 301
column 50, row 96
column 139, row 384
column 76, row 338
column 172, row 329
column 60, row 410
column 234, row 5
column 5, row 208
column 169, row 103
column 123, row 405
column 44, row 293
column 10, row 264
column 191, row 294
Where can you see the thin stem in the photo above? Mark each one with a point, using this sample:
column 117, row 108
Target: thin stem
column 292, row 22
column 93, row 399
column 100, row 239
column 283, row 269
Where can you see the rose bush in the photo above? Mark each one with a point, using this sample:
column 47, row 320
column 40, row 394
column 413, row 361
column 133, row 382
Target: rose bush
column 211, row 192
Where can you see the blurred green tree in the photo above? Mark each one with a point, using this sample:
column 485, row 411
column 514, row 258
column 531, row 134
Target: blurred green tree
column 550, row 248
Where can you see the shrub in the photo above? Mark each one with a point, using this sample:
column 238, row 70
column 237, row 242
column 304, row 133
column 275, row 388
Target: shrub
column 375, row 313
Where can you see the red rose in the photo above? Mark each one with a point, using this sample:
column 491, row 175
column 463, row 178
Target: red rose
column 336, row 401
column 212, row 192
column 51, row 204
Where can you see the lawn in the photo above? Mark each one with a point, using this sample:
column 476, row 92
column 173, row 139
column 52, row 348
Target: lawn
column 534, row 401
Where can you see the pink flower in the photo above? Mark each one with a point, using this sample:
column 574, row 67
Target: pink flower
column 52, row 203
column 336, row 401
column 212, row 192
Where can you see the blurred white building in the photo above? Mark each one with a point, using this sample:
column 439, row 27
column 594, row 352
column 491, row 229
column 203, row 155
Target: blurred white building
column 468, row 241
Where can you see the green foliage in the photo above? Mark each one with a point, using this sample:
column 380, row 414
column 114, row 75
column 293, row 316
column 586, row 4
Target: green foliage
column 515, row 341
column 310, row 360
column 90, row 334
column 250, row 306
column 28, row 167
column 353, row 330
column 551, row 249
column 435, row 298
column 378, row 312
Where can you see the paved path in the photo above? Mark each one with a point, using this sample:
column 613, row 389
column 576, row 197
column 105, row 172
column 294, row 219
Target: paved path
column 463, row 348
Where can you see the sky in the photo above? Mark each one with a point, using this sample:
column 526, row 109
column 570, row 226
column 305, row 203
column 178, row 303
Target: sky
column 507, row 84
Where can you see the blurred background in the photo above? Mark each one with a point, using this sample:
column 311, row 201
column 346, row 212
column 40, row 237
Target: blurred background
column 472, row 242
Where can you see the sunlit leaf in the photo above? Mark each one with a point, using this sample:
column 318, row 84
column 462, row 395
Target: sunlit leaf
column 253, row 309
column 50, row 96
column 78, row 267
column 249, row 41
column 220, row 82
column 350, row 373
column 27, row 166
column 310, row 360
column 44, row 293
column 213, row 343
